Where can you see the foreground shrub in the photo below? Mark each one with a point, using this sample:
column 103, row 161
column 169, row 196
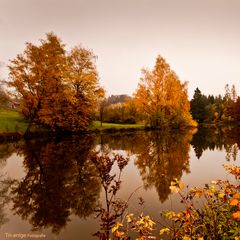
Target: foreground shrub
column 211, row 212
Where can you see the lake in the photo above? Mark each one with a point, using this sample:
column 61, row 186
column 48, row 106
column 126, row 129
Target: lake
column 51, row 188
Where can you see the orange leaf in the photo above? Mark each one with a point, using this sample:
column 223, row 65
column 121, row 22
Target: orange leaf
column 236, row 215
column 234, row 202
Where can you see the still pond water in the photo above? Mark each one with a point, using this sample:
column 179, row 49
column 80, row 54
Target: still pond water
column 51, row 188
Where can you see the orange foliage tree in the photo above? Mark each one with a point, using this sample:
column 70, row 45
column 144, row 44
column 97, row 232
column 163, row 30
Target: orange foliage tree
column 162, row 98
column 58, row 89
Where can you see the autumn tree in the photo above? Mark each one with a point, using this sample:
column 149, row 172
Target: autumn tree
column 58, row 89
column 230, row 98
column 102, row 103
column 237, row 110
column 162, row 97
column 118, row 109
column 84, row 86
column 131, row 112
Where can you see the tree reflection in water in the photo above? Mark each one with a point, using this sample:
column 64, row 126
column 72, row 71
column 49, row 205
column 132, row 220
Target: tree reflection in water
column 5, row 197
column 6, row 150
column 60, row 181
column 161, row 158
column 63, row 179
column 213, row 137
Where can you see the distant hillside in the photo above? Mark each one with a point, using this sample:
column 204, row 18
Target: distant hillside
column 118, row 98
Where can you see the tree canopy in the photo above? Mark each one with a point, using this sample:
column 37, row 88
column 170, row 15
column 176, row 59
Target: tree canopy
column 162, row 98
column 57, row 88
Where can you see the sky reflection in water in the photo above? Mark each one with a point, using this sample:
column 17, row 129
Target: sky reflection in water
column 53, row 186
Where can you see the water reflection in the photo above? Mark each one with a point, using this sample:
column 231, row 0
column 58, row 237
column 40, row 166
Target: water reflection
column 111, row 182
column 6, row 150
column 62, row 179
column 161, row 158
column 211, row 138
column 5, row 198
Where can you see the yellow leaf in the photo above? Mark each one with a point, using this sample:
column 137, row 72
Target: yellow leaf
column 114, row 229
column 164, row 230
column 213, row 189
column 174, row 189
column 198, row 192
column 221, row 195
column 176, row 186
column 181, row 185
column 130, row 217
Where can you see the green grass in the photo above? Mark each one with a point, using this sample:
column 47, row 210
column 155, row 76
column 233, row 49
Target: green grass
column 97, row 125
column 11, row 121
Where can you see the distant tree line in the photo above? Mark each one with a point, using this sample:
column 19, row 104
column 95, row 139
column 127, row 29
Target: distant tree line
column 118, row 109
column 216, row 109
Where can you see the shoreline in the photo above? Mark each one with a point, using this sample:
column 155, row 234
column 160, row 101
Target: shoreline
column 16, row 136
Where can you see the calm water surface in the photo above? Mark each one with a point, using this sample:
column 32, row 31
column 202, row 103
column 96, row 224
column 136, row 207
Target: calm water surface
column 52, row 187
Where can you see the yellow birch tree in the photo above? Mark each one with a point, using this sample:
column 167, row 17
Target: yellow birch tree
column 162, row 98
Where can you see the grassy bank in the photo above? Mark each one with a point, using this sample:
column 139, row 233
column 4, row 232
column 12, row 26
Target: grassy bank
column 97, row 126
column 11, row 122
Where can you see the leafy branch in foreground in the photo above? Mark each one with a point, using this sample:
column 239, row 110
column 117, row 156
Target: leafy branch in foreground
column 115, row 207
column 212, row 212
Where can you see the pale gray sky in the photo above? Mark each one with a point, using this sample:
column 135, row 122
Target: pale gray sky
column 200, row 39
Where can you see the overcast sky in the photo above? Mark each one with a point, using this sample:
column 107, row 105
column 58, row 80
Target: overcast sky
column 200, row 39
